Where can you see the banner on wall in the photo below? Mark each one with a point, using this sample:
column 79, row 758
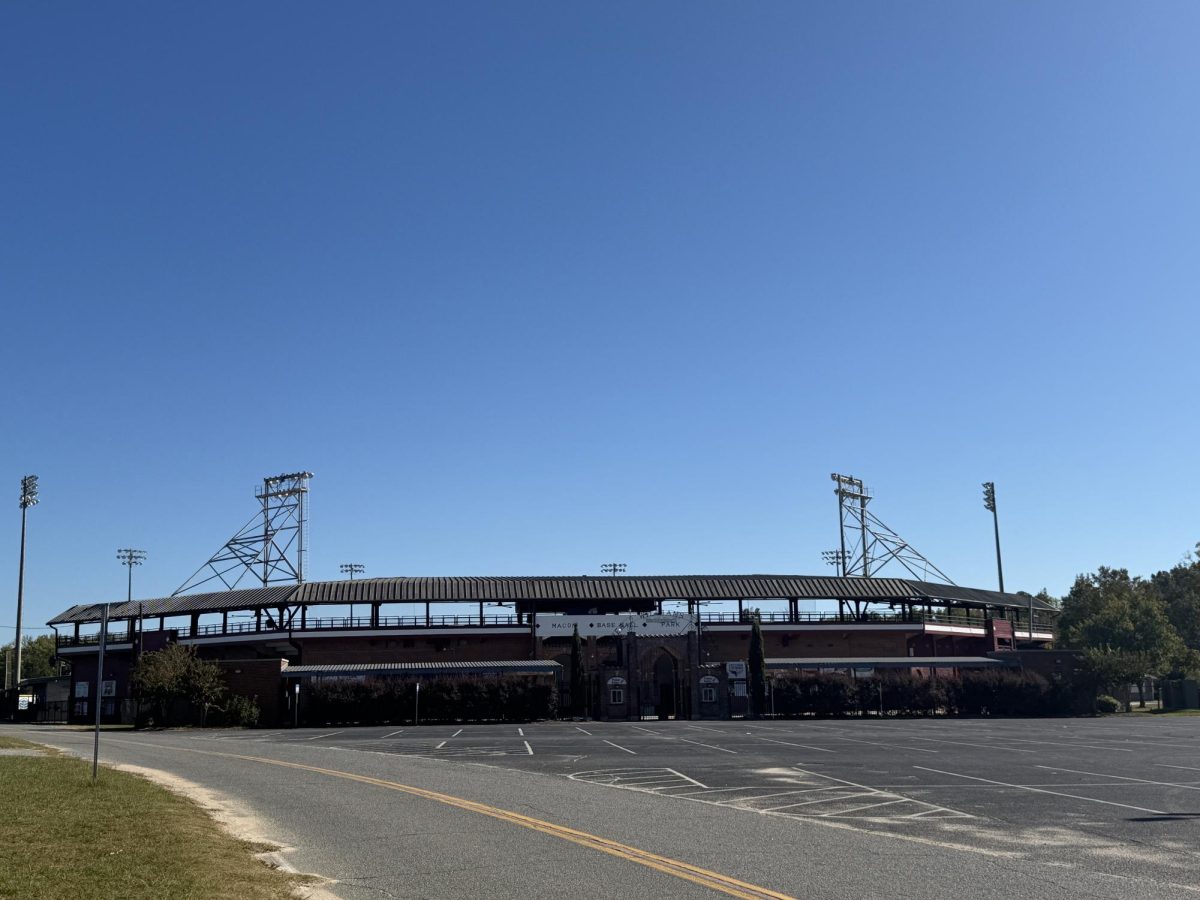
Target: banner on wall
column 642, row 624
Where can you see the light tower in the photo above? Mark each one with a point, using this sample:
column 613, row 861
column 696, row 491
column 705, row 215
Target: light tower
column 352, row 569
column 989, row 503
column 130, row 558
column 29, row 497
column 613, row 568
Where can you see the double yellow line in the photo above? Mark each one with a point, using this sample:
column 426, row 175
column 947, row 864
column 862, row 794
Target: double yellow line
column 665, row 864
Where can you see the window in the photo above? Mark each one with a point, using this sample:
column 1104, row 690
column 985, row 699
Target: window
column 616, row 695
column 708, row 695
column 81, row 707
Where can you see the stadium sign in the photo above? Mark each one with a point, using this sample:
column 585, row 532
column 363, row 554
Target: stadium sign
column 644, row 624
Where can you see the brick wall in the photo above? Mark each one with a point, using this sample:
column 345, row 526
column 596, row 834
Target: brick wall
column 258, row 680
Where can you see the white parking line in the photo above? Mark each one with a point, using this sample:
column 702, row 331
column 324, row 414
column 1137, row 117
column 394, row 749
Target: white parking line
column 521, row 732
column 1025, row 787
column 869, row 793
column 791, row 744
column 1167, row 766
column 1122, row 777
column 316, row 737
column 709, row 746
column 702, row 728
column 457, row 733
column 1064, row 744
column 585, row 731
column 619, row 747
column 393, row 734
column 527, row 747
column 846, row 812
column 440, row 746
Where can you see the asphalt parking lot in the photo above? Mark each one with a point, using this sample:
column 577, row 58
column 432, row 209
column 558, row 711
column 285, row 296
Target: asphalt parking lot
column 1113, row 790
column 1113, row 798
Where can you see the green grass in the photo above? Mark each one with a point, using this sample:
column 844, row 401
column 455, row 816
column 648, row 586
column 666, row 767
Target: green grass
column 12, row 743
column 63, row 837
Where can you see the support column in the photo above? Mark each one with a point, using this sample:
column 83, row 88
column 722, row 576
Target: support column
column 481, row 612
column 258, row 620
column 224, row 621
column 195, row 623
column 740, row 612
column 375, row 615
column 428, row 620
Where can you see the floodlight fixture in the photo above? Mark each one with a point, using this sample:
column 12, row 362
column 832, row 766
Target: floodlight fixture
column 29, row 491
column 613, row 568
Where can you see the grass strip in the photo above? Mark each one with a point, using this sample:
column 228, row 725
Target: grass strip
column 63, row 837
column 12, row 743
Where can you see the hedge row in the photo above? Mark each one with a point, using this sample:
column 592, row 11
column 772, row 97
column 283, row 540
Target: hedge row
column 509, row 698
column 974, row 693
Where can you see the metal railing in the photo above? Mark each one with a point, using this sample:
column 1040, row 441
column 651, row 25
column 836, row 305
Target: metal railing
column 366, row 623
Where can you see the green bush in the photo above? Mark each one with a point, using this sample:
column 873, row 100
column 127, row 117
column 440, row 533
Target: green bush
column 1107, row 705
column 375, row 701
column 241, row 712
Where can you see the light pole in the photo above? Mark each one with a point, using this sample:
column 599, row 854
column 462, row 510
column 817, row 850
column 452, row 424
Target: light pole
column 838, row 559
column 129, row 558
column 29, row 497
column 613, row 568
column 352, row 569
column 989, row 502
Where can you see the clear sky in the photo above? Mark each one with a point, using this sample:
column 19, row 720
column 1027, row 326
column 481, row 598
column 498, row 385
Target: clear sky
column 535, row 286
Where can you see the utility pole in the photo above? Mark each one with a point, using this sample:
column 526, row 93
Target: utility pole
column 29, row 497
column 352, row 569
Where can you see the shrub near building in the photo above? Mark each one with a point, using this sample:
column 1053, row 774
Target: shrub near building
column 973, row 693
column 373, row 701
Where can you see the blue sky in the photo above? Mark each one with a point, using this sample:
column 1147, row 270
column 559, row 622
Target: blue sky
column 531, row 287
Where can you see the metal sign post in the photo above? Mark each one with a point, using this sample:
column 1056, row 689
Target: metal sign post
column 99, row 689
column 417, row 706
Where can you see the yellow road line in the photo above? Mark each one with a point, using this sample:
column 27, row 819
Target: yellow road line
column 704, row 877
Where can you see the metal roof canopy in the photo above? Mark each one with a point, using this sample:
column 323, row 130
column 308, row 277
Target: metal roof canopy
column 894, row 662
column 551, row 594
column 494, row 667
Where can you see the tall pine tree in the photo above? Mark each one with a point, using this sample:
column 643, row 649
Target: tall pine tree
column 758, row 668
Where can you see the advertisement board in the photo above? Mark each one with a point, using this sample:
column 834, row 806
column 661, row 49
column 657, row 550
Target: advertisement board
column 645, row 624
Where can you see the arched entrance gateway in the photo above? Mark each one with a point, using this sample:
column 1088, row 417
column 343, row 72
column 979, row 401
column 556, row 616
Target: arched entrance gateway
column 664, row 690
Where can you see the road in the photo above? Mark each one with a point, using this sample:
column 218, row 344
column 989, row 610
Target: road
column 1086, row 808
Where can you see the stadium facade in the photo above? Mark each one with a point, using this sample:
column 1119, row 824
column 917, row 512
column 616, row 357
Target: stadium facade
column 651, row 646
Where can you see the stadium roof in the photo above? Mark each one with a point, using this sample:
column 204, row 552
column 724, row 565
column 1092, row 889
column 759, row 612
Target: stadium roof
column 550, row 592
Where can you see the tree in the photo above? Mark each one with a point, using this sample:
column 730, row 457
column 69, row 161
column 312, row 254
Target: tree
column 37, row 656
column 578, row 681
column 1123, row 622
column 174, row 675
column 1179, row 589
column 758, row 668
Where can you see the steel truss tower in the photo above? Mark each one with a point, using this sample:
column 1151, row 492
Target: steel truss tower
column 867, row 544
column 272, row 547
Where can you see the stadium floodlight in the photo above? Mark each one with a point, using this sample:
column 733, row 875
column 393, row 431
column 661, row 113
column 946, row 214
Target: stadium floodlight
column 836, row 558
column 989, row 503
column 129, row 558
column 352, row 569
column 29, row 497
column 613, row 568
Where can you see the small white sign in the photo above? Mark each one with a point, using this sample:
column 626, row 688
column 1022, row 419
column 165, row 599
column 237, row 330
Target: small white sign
column 710, row 679
column 616, row 680
column 81, row 689
column 735, row 669
column 108, row 689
